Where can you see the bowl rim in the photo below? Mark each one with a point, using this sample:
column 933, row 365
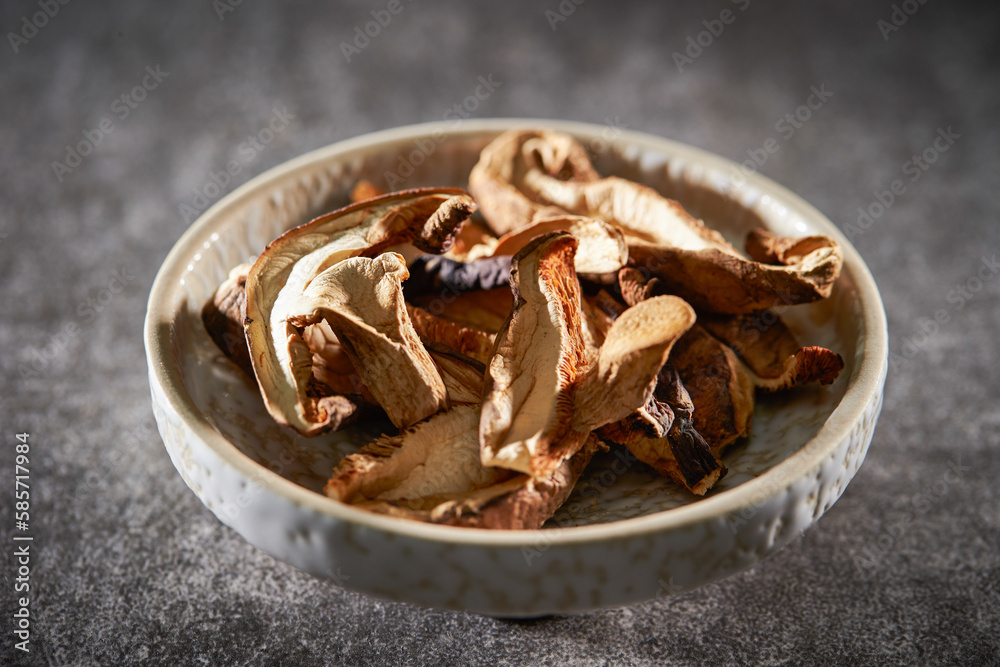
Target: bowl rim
column 863, row 388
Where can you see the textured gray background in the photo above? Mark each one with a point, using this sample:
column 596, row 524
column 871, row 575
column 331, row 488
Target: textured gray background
column 130, row 567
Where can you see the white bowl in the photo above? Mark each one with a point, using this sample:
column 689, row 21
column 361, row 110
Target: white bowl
column 626, row 534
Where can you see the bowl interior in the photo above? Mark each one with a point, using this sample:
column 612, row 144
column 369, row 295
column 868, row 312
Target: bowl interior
column 615, row 486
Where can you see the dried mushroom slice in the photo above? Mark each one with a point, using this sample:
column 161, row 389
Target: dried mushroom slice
column 223, row 316
column 720, row 388
column 432, row 472
column 361, row 299
column 281, row 358
column 484, row 311
column 531, row 504
column 624, row 376
column 462, row 375
column 680, row 452
column 773, row 356
column 411, row 474
column 435, row 275
column 539, row 351
column 496, row 179
column 693, row 261
column 602, row 248
column 475, row 343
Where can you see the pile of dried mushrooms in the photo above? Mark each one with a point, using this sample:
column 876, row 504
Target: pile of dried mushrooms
column 580, row 313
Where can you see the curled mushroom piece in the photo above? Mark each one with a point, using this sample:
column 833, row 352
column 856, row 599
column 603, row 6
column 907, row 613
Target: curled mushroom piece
column 624, row 375
column 280, row 355
column 223, row 316
column 520, row 179
column 674, row 446
column 361, row 299
column 719, row 386
column 432, row 472
column 773, row 357
column 539, row 351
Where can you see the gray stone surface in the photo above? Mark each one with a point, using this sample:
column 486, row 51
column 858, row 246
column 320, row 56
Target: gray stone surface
column 130, row 568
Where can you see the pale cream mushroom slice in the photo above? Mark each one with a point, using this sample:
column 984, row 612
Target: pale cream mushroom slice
column 601, row 247
column 281, row 357
column 361, row 299
column 432, row 472
column 624, row 376
column 520, row 178
column 528, row 398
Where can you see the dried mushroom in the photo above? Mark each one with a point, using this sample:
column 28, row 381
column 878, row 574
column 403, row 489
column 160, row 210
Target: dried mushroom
column 223, row 316
column 624, row 375
column 601, row 247
column 773, row 357
column 432, row 472
column 524, row 175
column 431, row 274
column 281, row 357
column 361, row 300
column 539, row 351
column 719, row 386
column 462, row 375
column 671, row 444
column 475, row 343
column 505, row 356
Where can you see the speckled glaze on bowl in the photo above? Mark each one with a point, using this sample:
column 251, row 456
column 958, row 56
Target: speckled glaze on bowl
column 625, row 535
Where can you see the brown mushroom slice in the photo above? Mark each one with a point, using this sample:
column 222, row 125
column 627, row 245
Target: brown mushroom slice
column 602, row 248
column 624, row 376
column 462, row 375
column 539, row 351
column 531, row 504
column 433, row 462
column 361, row 299
column 764, row 246
column 281, row 358
column 720, row 388
column 475, row 343
column 432, row 472
column 681, row 452
column 773, row 356
column 693, row 261
column 472, row 242
column 485, row 311
column 223, row 316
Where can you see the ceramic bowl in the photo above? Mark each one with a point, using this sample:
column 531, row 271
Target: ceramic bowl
column 625, row 535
